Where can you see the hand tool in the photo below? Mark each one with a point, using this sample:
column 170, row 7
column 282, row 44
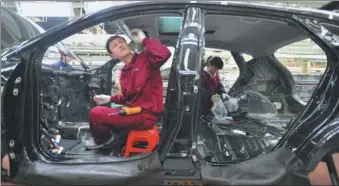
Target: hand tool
column 127, row 111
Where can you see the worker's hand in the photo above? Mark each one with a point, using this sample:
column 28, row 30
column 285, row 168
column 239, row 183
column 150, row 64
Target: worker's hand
column 102, row 99
column 231, row 104
column 137, row 35
column 225, row 97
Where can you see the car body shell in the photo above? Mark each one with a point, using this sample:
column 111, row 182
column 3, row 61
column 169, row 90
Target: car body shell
column 296, row 150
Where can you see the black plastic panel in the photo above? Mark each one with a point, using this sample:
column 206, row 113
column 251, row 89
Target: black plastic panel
column 67, row 93
column 64, row 95
column 231, row 142
column 146, row 170
column 279, row 167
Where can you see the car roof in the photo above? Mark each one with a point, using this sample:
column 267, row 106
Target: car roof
column 15, row 29
column 261, row 38
column 257, row 37
column 254, row 36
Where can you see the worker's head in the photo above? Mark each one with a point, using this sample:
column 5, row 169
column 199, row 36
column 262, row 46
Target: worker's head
column 65, row 58
column 117, row 47
column 214, row 64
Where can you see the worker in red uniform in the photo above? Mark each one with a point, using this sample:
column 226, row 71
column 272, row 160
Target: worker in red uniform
column 212, row 85
column 141, row 86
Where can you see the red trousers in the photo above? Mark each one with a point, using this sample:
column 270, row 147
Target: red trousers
column 102, row 123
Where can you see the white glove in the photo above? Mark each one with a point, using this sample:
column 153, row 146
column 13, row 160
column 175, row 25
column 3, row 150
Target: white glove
column 102, row 99
column 231, row 104
column 137, row 35
column 225, row 96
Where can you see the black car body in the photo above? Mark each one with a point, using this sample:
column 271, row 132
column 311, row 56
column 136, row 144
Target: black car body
column 17, row 29
column 36, row 96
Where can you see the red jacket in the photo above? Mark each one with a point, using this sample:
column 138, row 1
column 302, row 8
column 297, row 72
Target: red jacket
column 140, row 80
column 211, row 85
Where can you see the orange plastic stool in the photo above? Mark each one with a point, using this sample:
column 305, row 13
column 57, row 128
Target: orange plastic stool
column 151, row 137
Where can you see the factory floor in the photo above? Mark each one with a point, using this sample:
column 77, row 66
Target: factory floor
column 320, row 176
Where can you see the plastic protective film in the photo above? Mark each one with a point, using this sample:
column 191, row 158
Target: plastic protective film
column 280, row 167
column 258, row 106
column 145, row 170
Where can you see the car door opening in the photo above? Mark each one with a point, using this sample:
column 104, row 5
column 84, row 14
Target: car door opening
column 67, row 95
column 265, row 87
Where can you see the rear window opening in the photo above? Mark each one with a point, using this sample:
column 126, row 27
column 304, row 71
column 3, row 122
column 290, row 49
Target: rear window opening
column 307, row 63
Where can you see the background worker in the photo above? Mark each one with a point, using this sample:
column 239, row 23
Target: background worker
column 64, row 60
column 141, row 86
column 212, row 85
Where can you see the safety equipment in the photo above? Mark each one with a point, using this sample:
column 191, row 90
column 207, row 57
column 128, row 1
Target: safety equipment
column 102, row 99
column 138, row 35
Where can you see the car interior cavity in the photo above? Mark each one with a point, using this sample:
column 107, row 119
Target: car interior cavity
column 264, row 88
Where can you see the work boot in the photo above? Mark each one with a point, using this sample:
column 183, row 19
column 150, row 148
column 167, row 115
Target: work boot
column 109, row 143
column 94, row 146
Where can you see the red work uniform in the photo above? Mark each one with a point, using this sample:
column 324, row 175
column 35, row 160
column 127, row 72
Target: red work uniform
column 211, row 85
column 141, row 85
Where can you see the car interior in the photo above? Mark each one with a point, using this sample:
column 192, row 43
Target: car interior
column 67, row 94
